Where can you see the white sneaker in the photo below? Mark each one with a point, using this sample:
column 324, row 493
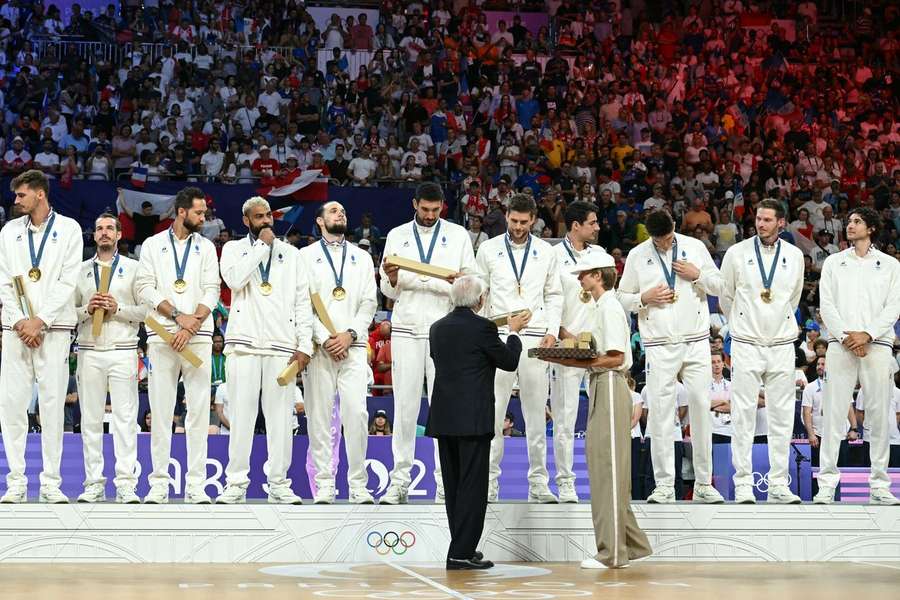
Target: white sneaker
column 233, row 494
column 825, row 495
column 159, row 494
column 743, row 494
column 126, row 495
column 541, row 494
column 15, row 496
column 593, row 563
column 52, row 495
column 95, row 492
column 361, row 496
column 396, row 494
column 196, row 496
column 782, row 494
column 882, row 496
column 567, row 493
column 324, row 495
column 662, row 495
column 707, row 494
column 283, row 494
column 493, row 492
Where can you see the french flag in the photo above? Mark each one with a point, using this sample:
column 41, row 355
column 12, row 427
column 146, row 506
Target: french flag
column 139, row 177
column 289, row 214
column 309, row 186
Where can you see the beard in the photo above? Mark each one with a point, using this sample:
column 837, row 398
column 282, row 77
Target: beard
column 193, row 226
column 257, row 230
column 106, row 246
column 336, row 228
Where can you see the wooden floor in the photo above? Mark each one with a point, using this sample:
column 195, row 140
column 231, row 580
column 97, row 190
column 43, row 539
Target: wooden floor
column 522, row 581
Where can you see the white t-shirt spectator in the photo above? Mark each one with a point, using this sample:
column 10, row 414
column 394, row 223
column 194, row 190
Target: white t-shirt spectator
column 47, row 159
column 222, row 398
column 212, row 162
column 272, row 102
column 636, row 400
column 212, row 228
column 721, row 421
column 892, row 415
column 361, row 168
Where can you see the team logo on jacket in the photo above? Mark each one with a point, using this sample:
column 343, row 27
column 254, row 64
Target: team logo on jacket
column 877, row 264
column 444, row 241
column 197, row 249
column 121, row 272
column 53, row 237
column 353, row 258
column 165, row 250
column 406, row 244
column 244, row 254
column 319, row 260
column 750, row 261
column 649, row 261
column 280, row 257
column 19, row 238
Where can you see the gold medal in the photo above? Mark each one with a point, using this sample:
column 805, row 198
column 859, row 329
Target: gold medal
column 265, row 288
column 766, row 295
column 338, row 293
column 519, row 289
column 34, row 274
column 584, row 296
column 180, row 286
column 674, row 297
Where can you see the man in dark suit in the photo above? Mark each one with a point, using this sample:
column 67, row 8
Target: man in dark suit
column 467, row 352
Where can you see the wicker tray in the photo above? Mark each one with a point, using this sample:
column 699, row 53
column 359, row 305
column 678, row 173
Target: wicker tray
column 576, row 353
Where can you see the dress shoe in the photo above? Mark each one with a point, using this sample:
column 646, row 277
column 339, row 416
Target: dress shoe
column 467, row 564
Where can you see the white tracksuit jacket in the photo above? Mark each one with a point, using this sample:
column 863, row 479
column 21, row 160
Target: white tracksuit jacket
column 120, row 330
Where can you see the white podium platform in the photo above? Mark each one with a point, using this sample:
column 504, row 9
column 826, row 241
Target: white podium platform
column 342, row 533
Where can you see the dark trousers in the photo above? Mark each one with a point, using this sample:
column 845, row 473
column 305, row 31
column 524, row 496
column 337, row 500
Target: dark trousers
column 464, row 469
column 679, row 480
column 641, row 469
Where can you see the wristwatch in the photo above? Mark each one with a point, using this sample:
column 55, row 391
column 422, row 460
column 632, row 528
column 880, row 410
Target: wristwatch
column 353, row 335
column 175, row 313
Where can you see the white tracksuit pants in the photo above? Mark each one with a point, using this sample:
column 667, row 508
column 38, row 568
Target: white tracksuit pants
column 114, row 371
column 752, row 367
column 565, row 393
column 247, row 376
column 533, row 388
column 664, row 363
column 321, row 380
column 875, row 375
column 21, row 366
column 165, row 366
column 412, row 367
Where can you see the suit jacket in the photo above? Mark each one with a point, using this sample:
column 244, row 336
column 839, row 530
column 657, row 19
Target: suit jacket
column 467, row 352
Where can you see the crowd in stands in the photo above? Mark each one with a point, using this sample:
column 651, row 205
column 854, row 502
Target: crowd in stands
column 702, row 107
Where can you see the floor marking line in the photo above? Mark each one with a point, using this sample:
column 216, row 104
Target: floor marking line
column 871, row 564
column 431, row 582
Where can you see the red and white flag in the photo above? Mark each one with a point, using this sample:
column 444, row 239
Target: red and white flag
column 139, row 177
column 309, row 186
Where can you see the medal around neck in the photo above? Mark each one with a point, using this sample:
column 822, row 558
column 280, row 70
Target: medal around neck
column 766, row 295
column 180, row 286
column 265, row 288
column 584, row 296
column 34, row 274
column 339, row 293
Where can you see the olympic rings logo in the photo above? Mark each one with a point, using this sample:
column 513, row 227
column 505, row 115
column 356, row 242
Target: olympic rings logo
column 761, row 481
column 391, row 541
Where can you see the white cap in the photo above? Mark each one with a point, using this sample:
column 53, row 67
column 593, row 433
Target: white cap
column 593, row 261
column 729, row 194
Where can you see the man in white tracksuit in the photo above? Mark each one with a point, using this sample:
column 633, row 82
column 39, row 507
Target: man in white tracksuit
column 270, row 326
column 344, row 277
column 565, row 382
column 178, row 278
column 666, row 281
column 763, row 282
column 44, row 248
column 521, row 272
column 860, row 302
column 419, row 301
column 108, row 363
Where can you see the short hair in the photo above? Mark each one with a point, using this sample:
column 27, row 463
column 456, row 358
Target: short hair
column 578, row 212
column 255, row 202
column 108, row 215
column 869, row 216
column 467, row 290
column 522, row 203
column 660, row 223
column 718, row 353
column 33, row 179
column 430, row 192
column 185, row 198
column 320, row 212
column 771, row 204
column 609, row 276
column 146, row 204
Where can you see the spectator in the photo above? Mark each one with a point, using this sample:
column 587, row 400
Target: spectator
column 380, row 424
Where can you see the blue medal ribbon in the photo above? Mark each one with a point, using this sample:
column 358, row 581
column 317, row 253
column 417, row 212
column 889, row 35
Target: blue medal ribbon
column 426, row 258
column 516, row 271
column 264, row 272
column 669, row 275
column 767, row 279
column 36, row 258
column 570, row 251
column 338, row 278
column 180, row 268
column 97, row 272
